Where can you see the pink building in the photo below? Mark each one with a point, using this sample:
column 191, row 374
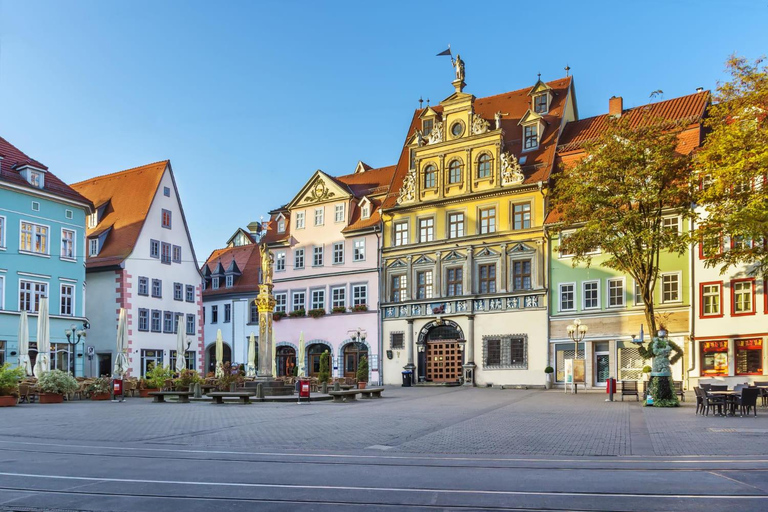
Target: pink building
column 326, row 243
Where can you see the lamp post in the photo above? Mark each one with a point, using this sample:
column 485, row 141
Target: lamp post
column 577, row 331
column 73, row 333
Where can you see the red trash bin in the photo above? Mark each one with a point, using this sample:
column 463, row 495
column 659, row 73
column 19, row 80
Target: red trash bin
column 117, row 387
column 304, row 390
column 610, row 388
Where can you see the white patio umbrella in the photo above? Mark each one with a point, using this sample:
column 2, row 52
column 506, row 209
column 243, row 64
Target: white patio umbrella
column 274, row 355
column 121, row 359
column 24, row 361
column 252, row 355
column 302, row 370
column 219, row 354
column 181, row 356
column 43, row 363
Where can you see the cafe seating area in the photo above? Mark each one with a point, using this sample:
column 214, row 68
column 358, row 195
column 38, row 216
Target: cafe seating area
column 721, row 401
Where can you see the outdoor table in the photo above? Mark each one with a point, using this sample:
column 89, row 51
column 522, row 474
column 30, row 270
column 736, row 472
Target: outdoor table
column 729, row 399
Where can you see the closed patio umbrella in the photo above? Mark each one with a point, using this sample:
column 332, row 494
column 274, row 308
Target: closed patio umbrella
column 121, row 359
column 300, row 362
column 274, row 355
column 219, row 354
column 24, row 361
column 252, row 355
column 181, row 359
column 43, row 363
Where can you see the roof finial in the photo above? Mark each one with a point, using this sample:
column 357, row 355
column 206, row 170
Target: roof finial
column 421, row 101
column 427, row 101
column 539, row 75
column 567, row 69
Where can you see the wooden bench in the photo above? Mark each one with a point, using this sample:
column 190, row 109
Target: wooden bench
column 159, row 396
column 219, row 396
column 629, row 388
column 370, row 392
column 347, row 395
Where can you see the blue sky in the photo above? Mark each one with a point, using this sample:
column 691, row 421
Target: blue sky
column 247, row 99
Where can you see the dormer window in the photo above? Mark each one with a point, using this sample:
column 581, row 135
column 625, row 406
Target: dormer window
column 215, row 283
column 93, row 220
column 426, row 126
column 93, row 247
column 365, row 211
column 531, row 136
column 540, row 105
column 230, row 281
column 36, row 179
column 281, row 226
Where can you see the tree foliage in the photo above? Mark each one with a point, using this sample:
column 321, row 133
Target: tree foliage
column 732, row 167
column 615, row 199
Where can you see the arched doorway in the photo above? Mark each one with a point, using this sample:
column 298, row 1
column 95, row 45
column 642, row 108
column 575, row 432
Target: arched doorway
column 352, row 354
column 286, row 361
column 211, row 356
column 314, row 352
column 443, row 356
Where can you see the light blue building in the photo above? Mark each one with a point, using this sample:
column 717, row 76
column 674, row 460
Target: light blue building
column 42, row 254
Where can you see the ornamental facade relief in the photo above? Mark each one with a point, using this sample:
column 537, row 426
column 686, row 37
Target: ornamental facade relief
column 479, row 125
column 511, row 172
column 319, row 192
column 436, row 135
column 408, row 190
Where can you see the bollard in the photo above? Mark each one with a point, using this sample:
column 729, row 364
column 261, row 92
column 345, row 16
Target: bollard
column 198, row 392
column 324, row 388
column 337, row 386
column 260, row 391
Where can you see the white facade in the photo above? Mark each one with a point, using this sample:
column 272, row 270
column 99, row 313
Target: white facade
column 235, row 331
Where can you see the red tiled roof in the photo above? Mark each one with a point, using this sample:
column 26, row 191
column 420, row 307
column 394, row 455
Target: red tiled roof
column 374, row 184
column 515, row 104
column 248, row 260
column 130, row 194
column 13, row 158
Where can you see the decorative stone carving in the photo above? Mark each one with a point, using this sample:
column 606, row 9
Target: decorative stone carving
column 479, row 305
column 479, row 125
column 417, row 310
column 495, row 304
column 436, row 135
column 461, row 305
column 513, row 303
column 511, row 172
column 408, row 190
column 531, row 301
column 404, row 310
column 390, row 312
column 319, row 192
column 497, row 118
column 419, row 138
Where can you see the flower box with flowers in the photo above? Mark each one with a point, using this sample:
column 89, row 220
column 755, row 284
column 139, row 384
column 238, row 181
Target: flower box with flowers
column 360, row 308
column 298, row 313
column 316, row 313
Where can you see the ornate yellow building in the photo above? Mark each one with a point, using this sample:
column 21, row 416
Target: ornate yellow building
column 464, row 253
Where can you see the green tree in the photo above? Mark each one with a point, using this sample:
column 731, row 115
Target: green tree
column 362, row 369
column 615, row 198
column 325, row 365
column 732, row 167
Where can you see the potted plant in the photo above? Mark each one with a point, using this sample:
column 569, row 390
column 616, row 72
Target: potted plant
column 316, row 313
column 362, row 372
column 9, row 384
column 100, row 389
column 297, row 313
column 187, row 379
column 325, row 368
column 548, row 371
column 230, row 378
column 54, row 385
column 359, row 308
column 154, row 380
column 339, row 309
column 277, row 315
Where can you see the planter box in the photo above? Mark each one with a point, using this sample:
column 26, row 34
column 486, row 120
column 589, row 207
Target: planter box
column 100, row 396
column 8, row 401
column 51, row 398
column 361, row 385
column 144, row 393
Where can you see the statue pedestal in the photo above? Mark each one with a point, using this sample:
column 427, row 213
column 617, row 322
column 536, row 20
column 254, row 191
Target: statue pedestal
column 270, row 386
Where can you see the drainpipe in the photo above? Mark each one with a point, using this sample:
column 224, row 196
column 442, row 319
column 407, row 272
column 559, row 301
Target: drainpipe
column 692, row 295
column 379, row 314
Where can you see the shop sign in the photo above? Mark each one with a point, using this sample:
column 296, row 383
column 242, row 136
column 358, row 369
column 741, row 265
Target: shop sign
column 715, row 346
column 754, row 344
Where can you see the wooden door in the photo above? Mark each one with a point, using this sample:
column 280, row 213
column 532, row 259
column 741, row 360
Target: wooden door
column 443, row 361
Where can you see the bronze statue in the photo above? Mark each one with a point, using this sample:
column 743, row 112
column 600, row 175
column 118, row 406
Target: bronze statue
column 267, row 260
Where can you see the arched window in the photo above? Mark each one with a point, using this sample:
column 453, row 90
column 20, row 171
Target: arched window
column 484, row 166
column 286, row 361
column 430, row 177
column 314, row 352
column 454, row 172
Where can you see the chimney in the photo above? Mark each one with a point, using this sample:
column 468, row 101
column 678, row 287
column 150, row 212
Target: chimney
column 615, row 106
column 699, row 89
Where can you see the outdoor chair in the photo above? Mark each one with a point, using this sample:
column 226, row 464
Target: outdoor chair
column 700, row 399
column 629, row 388
column 763, row 392
column 679, row 389
column 747, row 400
column 714, row 401
column 704, row 386
column 718, row 387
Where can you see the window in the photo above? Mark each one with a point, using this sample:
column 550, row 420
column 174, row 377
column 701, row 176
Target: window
column 93, row 220
column 711, row 299
column 178, row 291
column 616, row 293
column 567, row 297
column 190, row 293
column 317, row 256
column 670, row 287
column 424, row 284
column 67, row 300
column 34, row 238
column 318, row 299
column 254, row 310
column 157, row 288
column 2, row 298
column 177, row 254
column 710, row 246
column 339, row 297
column 426, row 230
column 281, row 302
column 397, row 340
column 426, row 126
column 168, row 326
column 531, row 137
column 401, row 233
column 281, row 225
column 167, row 191
column 430, row 177
column 154, row 249
column 742, row 297
column 166, row 219
column 638, row 295
column 671, row 224
column 190, row 324
column 143, row 319
column 93, row 247
column 521, row 214
column 359, row 295
column 591, row 294
column 365, row 211
column 564, row 253
column 487, row 278
column 359, row 249
column 299, row 220
column 319, row 216
column 455, row 225
column 227, row 313
column 35, row 179
column 2, row 231
column 338, row 253
column 505, row 352
column 398, row 288
column 229, row 281
column 68, row 214
column 156, row 314
column 67, row 242
column 338, row 213
column 484, row 166
column 749, row 357
column 487, row 220
column 150, row 359
column 298, row 258
column 454, row 281
column 540, row 103
column 279, row 261
column 299, row 300
column 165, row 253
column 215, row 283
column 30, row 294
column 521, row 275
column 214, row 314
column 454, row 172
column 714, row 358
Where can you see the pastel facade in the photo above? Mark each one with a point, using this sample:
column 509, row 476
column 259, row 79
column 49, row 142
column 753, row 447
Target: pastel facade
column 141, row 258
column 42, row 230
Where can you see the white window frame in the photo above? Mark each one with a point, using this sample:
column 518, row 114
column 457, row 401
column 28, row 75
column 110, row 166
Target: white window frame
column 679, row 287
column 462, row 227
column 338, row 250
column 317, row 298
column 338, row 302
column 338, row 212
column 303, row 304
column 71, row 297
column 229, row 281
column 64, row 239
column 2, row 232
column 299, row 253
column 365, row 211
column 281, row 302
column 281, row 225
column 320, row 216
column 718, row 294
column 623, row 292
column 584, row 284
column 93, row 247
column 38, row 230
column 491, row 227
column 357, row 297
column 2, row 292
column 93, row 220
column 750, row 290
column 359, row 249
column 318, row 256
column 34, row 294
column 36, row 179
column 300, row 220
column 429, row 283
column 401, row 237
column 280, row 261
column 638, row 297
column 560, row 296
column 215, row 283
column 666, row 222
column 429, row 230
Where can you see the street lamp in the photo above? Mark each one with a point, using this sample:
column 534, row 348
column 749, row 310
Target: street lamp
column 73, row 333
column 577, row 331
